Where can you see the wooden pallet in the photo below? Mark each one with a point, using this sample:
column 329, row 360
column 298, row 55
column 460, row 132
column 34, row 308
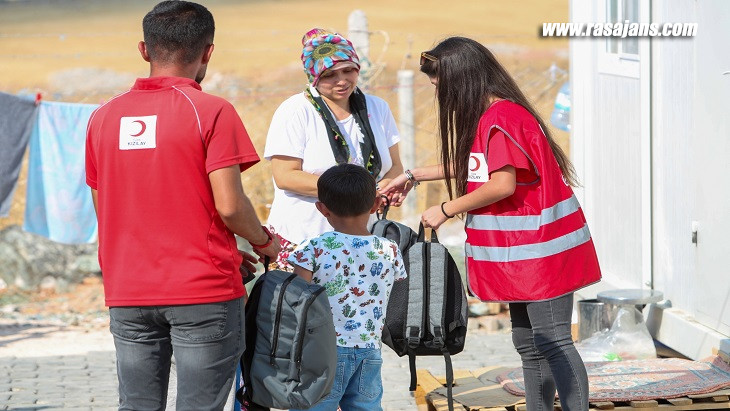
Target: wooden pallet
column 484, row 394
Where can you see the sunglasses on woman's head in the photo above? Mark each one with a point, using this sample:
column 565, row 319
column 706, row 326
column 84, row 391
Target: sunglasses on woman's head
column 425, row 56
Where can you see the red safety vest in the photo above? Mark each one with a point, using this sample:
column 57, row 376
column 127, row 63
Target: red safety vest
column 535, row 244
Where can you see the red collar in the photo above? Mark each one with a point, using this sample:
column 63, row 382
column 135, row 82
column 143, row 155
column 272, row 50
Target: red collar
column 158, row 83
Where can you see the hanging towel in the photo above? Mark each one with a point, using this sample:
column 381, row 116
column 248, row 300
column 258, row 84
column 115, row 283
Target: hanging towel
column 16, row 118
column 58, row 203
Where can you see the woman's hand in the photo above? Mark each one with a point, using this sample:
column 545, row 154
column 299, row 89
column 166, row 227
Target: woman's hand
column 383, row 183
column 396, row 190
column 501, row 185
column 433, row 217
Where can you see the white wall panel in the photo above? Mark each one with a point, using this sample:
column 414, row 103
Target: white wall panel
column 615, row 160
column 674, row 171
column 711, row 152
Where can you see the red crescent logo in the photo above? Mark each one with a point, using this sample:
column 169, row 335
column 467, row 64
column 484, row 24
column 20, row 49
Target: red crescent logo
column 142, row 130
column 476, row 162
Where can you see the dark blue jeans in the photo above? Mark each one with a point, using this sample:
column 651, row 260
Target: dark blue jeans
column 541, row 334
column 206, row 339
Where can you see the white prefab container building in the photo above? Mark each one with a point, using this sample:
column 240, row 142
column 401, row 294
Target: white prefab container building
column 650, row 139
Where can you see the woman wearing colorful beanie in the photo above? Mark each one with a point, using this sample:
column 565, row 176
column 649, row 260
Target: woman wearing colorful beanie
column 329, row 123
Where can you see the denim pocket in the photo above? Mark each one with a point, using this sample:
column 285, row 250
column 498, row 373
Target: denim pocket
column 126, row 322
column 337, row 386
column 201, row 322
column 371, row 383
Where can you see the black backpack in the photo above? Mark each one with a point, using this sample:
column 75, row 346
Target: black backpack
column 427, row 312
column 403, row 235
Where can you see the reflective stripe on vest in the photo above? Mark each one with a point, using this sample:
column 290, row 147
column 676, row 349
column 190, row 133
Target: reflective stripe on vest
column 517, row 223
column 529, row 251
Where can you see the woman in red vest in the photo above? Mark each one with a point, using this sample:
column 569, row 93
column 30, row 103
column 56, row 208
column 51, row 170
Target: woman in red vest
column 527, row 239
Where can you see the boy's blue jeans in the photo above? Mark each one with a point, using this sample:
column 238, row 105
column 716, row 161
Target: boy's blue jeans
column 358, row 385
column 206, row 339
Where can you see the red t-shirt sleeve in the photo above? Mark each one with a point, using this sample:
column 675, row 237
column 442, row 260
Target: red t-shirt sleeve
column 502, row 151
column 228, row 142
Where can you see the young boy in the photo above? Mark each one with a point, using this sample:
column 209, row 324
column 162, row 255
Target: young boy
column 357, row 270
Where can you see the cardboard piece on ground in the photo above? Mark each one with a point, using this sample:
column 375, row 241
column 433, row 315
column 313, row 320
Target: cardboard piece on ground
column 477, row 392
column 488, row 375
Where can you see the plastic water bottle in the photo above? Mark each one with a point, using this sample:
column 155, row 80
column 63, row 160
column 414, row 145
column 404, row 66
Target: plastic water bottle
column 560, row 117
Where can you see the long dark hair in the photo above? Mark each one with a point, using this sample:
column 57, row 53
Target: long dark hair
column 468, row 76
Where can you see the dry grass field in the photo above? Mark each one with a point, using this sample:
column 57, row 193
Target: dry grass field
column 86, row 51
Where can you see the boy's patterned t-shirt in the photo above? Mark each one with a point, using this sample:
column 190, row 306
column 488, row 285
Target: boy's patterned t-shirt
column 357, row 273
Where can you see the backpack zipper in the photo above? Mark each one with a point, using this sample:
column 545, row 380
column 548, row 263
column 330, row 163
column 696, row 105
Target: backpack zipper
column 300, row 342
column 277, row 321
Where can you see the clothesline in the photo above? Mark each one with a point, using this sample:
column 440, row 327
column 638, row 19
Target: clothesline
column 58, row 203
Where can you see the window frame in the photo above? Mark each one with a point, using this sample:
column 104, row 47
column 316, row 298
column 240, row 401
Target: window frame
column 620, row 63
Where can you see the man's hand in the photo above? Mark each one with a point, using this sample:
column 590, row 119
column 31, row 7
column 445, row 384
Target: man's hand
column 249, row 261
column 270, row 249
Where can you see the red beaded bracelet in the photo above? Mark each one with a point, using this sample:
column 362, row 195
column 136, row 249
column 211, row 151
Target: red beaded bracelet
column 266, row 244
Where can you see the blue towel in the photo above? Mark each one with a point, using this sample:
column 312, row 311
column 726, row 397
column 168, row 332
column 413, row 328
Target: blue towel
column 58, row 202
column 16, row 118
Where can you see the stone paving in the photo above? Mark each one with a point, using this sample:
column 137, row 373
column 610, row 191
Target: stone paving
column 87, row 381
column 67, row 382
column 482, row 350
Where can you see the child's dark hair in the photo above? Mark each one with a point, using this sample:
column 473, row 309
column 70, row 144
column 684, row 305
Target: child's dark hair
column 347, row 190
column 177, row 31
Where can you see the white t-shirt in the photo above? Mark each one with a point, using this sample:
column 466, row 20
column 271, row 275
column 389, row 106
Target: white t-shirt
column 357, row 273
column 297, row 130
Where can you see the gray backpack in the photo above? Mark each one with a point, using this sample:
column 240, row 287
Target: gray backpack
column 427, row 312
column 291, row 348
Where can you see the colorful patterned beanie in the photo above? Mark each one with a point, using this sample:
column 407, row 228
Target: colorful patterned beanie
column 324, row 49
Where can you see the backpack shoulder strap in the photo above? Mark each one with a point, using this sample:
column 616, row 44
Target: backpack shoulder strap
column 404, row 238
column 449, row 378
column 380, row 227
column 438, row 262
column 437, row 283
column 415, row 328
column 414, row 373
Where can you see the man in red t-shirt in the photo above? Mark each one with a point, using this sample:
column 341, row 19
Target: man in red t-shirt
column 163, row 161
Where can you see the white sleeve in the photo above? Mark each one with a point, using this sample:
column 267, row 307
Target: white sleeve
column 391, row 130
column 286, row 136
column 386, row 119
